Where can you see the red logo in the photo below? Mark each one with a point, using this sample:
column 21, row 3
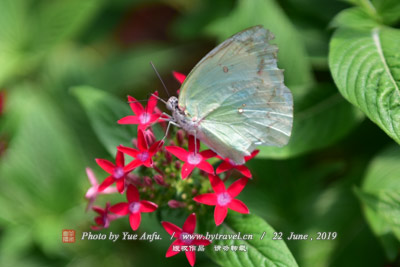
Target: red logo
column 68, row 236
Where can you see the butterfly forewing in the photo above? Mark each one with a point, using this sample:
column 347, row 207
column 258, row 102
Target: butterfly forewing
column 237, row 94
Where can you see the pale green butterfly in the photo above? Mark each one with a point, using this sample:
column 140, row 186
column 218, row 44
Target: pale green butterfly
column 234, row 99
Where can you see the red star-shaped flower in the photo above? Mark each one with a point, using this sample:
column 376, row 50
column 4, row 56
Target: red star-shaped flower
column 144, row 155
column 185, row 237
column 118, row 172
column 143, row 116
column 134, row 207
column 229, row 164
column 192, row 158
column 105, row 217
column 93, row 191
column 179, row 77
column 223, row 199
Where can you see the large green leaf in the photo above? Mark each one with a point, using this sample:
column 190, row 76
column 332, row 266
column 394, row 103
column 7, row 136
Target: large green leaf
column 321, row 118
column 29, row 30
column 365, row 64
column 292, row 56
column 260, row 252
column 382, row 11
column 41, row 173
column 380, row 194
column 104, row 110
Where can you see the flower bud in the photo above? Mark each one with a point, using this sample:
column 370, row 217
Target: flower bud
column 159, row 180
column 177, row 164
column 149, row 136
column 180, row 137
column 147, row 181
column 134, row 142
column 174, row 204
column 133, row 179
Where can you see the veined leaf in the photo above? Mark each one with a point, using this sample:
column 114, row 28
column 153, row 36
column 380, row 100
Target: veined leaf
column 365, row 64
column 260, row 252
column 104, row 110
column 381, row 195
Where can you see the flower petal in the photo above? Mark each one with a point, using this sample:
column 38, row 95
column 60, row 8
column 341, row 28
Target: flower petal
column 136, row 107
column 155, row 147
column 237, row 187
column 179, row 76
column 106, row 183
column 216, row 183
column 205, row 166
column 172, row 229
column 106, row 165
column 220, row 214
column 134, row 220
column 131, row 119
column 253, row 154
column 128, row 150
column 207, row 154
column 91, row 176
column 208, row 199
column 120, row 185
column 141, row 141
column 244, row 170
column 190, row 224
column 147, row 206
column 98, row 210
column 191, row 144
column 132, row 165
column 238, row 206
column 201, row 241
column 186, row 170
column 132, row 194
column 191, row 256
column 178, row 152
column 121, row 208
column 224, row 166
column 120, row 159
column 151, row 104
column 170, row 251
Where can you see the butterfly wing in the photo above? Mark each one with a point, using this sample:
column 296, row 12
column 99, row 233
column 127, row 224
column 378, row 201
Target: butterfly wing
column 237, row 94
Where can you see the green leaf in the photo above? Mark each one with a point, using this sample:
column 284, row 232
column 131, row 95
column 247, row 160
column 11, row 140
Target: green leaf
column 321, row 118
column 380, row 193
column 382, row 11
column 265, row 252
column 42, row 171
column 28, row 31
column 292, row 56
column 104, row 110
column 365, row 64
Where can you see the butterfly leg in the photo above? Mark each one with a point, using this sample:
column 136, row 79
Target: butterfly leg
column 166, row 132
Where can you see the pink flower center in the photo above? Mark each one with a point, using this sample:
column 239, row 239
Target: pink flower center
column 134, row 207
column 194, row 159
column 143, row 156
column 186, row 238
column 118, row 172
column 224, row 199
column 144, row 118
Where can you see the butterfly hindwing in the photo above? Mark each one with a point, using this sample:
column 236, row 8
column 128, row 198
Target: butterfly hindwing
column 238, row 95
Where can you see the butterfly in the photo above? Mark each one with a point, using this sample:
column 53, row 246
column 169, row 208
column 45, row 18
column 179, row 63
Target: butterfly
column 235, row 99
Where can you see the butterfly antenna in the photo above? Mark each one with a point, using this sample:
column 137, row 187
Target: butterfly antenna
column 159, row 77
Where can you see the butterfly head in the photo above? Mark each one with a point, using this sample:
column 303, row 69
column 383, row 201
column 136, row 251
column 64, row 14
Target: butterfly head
column 172, row 103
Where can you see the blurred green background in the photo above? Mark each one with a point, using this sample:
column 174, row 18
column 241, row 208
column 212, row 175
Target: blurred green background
column 49, row 132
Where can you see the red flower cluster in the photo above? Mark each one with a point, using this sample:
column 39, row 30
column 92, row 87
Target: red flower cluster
column 152, row 159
